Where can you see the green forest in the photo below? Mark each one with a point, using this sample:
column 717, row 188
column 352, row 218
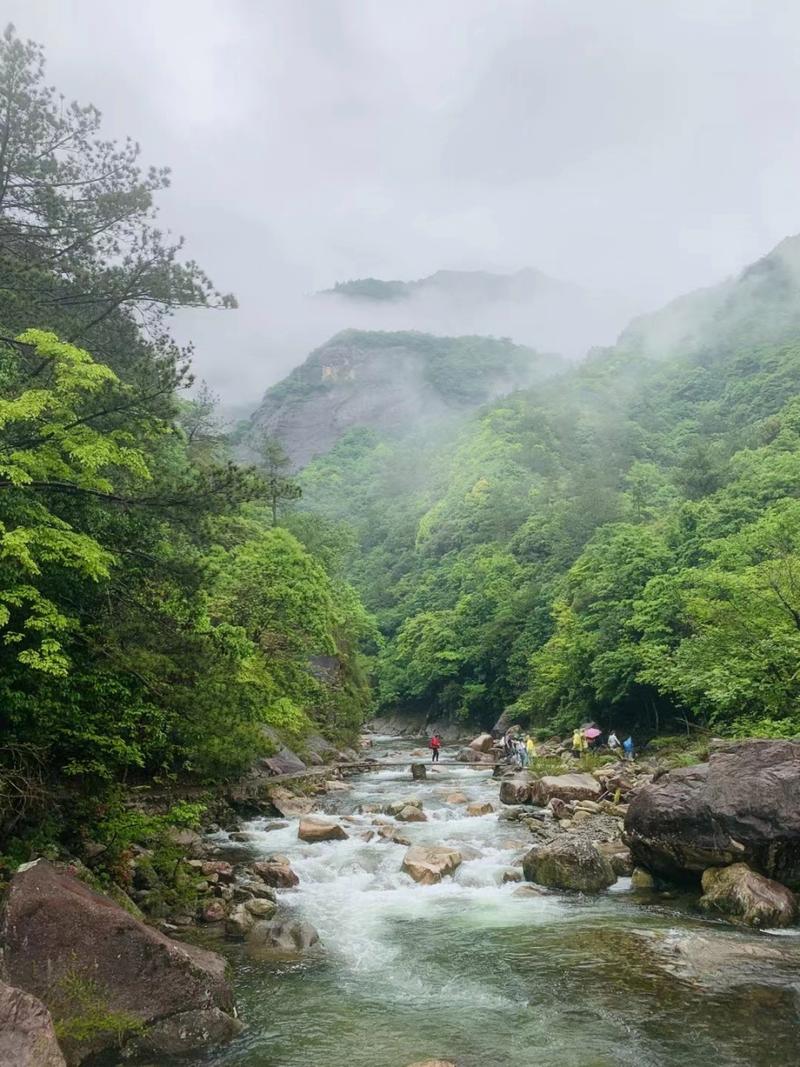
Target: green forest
column 618, row 542
column 154, row 623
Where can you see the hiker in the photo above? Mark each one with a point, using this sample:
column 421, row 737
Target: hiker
column 613, row 742
column 579, row 744
column 530, row 749
column 435, row 744
column 627, row 747
column 508, row 743
column 523, row 752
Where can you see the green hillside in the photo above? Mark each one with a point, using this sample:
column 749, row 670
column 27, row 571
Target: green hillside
column 619, row 543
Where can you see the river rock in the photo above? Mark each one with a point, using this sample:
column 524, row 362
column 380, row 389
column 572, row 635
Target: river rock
column 482, row 743
column 313, row 830
column 288, row 804
column 742, row 894
column 214, row 912
column 27, row 1037
column 284, row 762
column 642, row 879
column 239, row 922
column 456, row 798
column 284, row 936
column 480, row 808
column 516, row 790
column 260, row 907
column 217, row 871
column 569, row 863
column 471, row 755
column 396, row 806
column 572, row 786
column 411, row 813
column 81, row 953
column 276, row 873
column 741, row 806
column 336, row 785
column 428, row 865
column 419, row 772
column 188, row 1029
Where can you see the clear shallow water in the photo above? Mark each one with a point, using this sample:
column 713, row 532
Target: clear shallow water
column 464, row 970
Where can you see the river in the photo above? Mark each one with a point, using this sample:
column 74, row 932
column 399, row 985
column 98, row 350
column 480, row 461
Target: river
column 468, row 971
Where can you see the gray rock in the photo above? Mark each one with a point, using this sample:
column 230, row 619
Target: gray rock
column 516, row 790
column 285, row 936
column 569, row 863
column 741, row 806
column 27, row 1037
column 748, row 897
column 419, row 772
column 186, row 1032
column 61, row 936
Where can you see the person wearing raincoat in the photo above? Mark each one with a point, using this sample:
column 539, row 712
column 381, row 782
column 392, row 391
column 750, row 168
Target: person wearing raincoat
column 530, row 748
column 579, row 743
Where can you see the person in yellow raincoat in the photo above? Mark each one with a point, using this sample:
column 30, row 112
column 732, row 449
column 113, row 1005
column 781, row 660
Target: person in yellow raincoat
column 530, row 748
column 579, row 744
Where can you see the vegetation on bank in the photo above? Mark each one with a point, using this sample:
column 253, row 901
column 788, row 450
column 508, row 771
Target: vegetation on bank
column 154, row 620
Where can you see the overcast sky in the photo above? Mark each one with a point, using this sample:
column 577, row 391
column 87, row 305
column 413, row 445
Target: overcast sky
column 638, row 147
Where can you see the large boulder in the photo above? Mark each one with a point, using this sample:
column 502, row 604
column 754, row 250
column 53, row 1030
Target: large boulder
column 741, row 806
column 27, row 1037
column 744, row 895
column 313, row 830
column 284, row 762
column 482, row 743
column 419, row 772
column 104, row 975
column 572, row 786
column 289, row 804
column 480, row 808
column 516, row 790
column 428, row 865
column 569, row 863
column 471, row 755
column 277, row 872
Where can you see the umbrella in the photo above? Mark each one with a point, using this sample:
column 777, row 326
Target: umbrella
column 592, row 732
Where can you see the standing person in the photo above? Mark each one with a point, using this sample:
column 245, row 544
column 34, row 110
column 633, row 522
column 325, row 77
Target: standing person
column 530, row 748
column 435, row 744
column 578, row 743
column 613, row 742
column 627, row 746
column 523, row 752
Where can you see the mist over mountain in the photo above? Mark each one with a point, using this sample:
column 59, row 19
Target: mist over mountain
column 391, row 381
column 760, row 304
column 528, row 305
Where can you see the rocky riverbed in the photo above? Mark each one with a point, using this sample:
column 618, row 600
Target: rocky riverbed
column 479, row 916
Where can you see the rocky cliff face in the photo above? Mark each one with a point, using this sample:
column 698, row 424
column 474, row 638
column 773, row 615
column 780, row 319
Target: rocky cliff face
column 389, row 381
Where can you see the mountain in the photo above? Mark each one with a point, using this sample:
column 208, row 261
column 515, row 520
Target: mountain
column 620, row 543
column 759, row 305
column 390, row 381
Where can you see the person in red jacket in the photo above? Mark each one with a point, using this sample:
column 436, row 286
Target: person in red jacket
column 435, row 744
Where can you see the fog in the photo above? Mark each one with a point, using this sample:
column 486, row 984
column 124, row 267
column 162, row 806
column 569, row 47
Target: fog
column 635, row 150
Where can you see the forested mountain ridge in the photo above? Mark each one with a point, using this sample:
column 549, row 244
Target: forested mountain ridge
column 389, row 380
column 618, row 543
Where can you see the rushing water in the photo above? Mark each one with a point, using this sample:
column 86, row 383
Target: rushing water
column 465, row 970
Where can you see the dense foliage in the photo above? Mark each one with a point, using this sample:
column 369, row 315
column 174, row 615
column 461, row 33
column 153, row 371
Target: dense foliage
column 155, row 619
column 620, row 544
